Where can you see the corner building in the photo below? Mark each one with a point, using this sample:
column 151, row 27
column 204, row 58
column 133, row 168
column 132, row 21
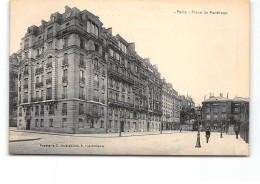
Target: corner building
column 76, row 77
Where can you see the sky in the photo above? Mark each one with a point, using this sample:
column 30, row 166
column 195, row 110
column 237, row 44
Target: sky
column 197, row 53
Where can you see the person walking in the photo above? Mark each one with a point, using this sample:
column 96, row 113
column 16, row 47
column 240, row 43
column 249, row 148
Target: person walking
column 207, row 134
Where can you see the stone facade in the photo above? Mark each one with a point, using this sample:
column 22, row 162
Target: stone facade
column 76, row 77
column 170, row 106
column 222, row 114
column 13, row 89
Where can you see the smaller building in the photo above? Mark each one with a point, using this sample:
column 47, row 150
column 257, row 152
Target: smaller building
column 222, row 114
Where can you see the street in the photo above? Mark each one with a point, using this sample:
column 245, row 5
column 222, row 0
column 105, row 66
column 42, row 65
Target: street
column 134, row 143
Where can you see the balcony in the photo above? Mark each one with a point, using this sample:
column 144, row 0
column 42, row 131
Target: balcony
column 81, row 111
column 49, row 65
column 82, row 80
column 41, row 113
column 26, row 46
column 50, row 35
column 81, row 96
column 65, row 62
column 96, row 68
column 26, row 72
column 95, row 98
column 49, row 81
column 39, row 70
column 48, row 97
column 96, row 84
column 137, row 106
column 25, row 100
column 38, row 43
column 39, row 84
column 25, row 86
column 112, row 72
column 82, row 64
column 36, row 113
column 64, row 111
column 51, row 112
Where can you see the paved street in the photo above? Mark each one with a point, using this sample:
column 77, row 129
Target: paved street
column 146, row 143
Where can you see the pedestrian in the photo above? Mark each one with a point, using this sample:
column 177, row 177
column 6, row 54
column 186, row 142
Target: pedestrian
column 207, row 134
column 180, row 129
column 236, row 131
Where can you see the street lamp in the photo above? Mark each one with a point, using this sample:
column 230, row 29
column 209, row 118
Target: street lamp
column 221, row 124
column 198, row 135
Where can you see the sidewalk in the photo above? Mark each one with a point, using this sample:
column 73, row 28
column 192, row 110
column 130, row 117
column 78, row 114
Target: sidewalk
column 100, row 135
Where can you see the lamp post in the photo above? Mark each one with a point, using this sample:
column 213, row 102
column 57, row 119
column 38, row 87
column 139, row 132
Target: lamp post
column 221, row 124
column 198, row 135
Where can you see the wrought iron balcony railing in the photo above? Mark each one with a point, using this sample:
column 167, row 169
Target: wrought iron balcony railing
column 49, row 81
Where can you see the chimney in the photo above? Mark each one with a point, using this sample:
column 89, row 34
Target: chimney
column 227, row 95
column 132, row 46
column 109, row 30
column 221, row 94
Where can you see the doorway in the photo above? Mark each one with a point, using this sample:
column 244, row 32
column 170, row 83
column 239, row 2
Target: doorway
column 122, row 126
column 28, row 124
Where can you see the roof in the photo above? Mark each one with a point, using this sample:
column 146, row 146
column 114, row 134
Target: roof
column 216, row 99
column 240, row 99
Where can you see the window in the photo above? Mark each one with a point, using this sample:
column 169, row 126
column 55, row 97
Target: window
column 96, row 47
column 92, row 123
column 64, row 91
column 68, row 15
column 81, row 60
column 64, row 108
column 50, row 44
column 216, row 109
column 81, row 109
column 51, row 123
column 65, row 61
column 81, row 75
column 101, row 124
column 81, row 91
column 42, row 123
column 51, row 109
column 109, row 124
column 36, row 123
column 49, row 94
column 65, row 43
column 65, row 75
column 50, row 30
column 80, row 123
column 64, row 122
column 208, row 109
column 115, row 124
column 224, row 109
column 26, row 55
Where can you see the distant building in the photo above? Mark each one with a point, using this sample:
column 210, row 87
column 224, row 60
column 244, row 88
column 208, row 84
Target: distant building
column 170, row 106
column 220, row 113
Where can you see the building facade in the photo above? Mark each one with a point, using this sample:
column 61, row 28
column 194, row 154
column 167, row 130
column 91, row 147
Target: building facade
column 222, row 114
column 74, row 76
column 170, row 106
column 63, row 75
column 13, row 89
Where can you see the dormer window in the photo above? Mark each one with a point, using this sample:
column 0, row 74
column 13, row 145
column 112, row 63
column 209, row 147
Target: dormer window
column 53, row 18
column 92, row 28
column 68, row 15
